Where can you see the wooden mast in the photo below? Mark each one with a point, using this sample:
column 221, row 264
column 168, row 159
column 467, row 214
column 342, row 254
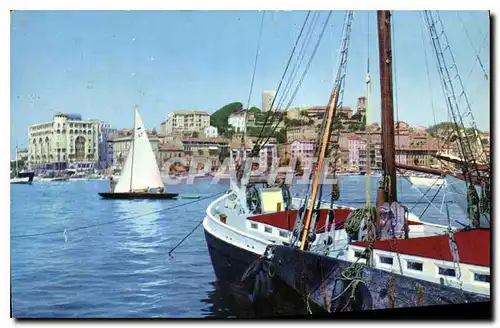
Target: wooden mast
column 319, row 167
column 385, row 58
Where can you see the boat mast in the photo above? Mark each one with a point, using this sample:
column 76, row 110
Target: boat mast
column 133, row 142
column 385, row 58
column 319, row 167
column 17, row 165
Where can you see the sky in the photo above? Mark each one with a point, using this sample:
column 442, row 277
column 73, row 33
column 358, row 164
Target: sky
column 101, row 64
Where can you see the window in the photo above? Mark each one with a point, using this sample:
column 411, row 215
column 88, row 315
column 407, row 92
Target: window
column 268, row 229
column 386, row 260
column 446, row 272
column 482, row 277
column 412, row 265
column 283, row 233
column 253, row 225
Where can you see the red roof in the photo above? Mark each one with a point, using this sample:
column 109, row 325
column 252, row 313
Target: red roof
column 473, row 247
column 214, row 140
column 169, row 147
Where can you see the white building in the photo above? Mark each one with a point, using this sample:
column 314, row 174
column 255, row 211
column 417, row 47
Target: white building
column 65, row 140
column 211, row 132
column 187, row 121
column 267, row 100
column 238, row 121
column 22, row 155
column 105, row 146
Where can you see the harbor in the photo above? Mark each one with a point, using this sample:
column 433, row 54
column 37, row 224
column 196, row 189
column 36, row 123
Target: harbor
column 336, row 210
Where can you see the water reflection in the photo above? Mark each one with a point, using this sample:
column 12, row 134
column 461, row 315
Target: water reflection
column 142, row 229
column 233, row 301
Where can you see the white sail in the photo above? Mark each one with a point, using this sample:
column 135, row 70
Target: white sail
column 140, row 170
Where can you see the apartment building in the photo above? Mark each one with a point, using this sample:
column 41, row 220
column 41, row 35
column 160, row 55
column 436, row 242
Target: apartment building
column 65, row 140
column 187, row 121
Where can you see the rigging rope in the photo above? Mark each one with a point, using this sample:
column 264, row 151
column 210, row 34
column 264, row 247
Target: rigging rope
column 301, row 57
column 428, row 76
column 473, row 48
column 302, row 77
column 64, row 231
column 285, row 71
column 254, row 69
column 292, row 76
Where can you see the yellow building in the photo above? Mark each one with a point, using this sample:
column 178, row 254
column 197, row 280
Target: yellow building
column 66, row 139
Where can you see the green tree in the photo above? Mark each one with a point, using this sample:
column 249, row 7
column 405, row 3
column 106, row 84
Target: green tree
column 254, row 110
column 281, row 136
column 219, row 118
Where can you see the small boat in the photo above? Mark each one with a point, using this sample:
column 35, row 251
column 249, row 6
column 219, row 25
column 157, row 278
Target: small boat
column 23, row 178
column 58, row 179
column 428, row 182
column 190, row 196
column 140, row 177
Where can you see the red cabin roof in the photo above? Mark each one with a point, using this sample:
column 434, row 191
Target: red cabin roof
column 473, row 247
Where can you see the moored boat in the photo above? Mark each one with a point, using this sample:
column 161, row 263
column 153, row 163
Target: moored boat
column 345, row 259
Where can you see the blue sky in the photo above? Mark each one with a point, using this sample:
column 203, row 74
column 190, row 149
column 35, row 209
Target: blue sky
column 101, row 64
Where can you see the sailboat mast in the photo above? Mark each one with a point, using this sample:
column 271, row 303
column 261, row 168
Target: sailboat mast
column 132, row 163
column 385, row 58
column 17, row 165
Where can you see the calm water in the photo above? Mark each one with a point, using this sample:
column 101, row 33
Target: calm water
column 122, row 269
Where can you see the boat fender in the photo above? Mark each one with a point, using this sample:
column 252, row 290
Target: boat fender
column 312, row 237
column 344, row 299
column 262, row 287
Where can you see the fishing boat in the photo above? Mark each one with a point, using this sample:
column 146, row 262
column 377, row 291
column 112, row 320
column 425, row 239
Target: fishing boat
column 140, row 177
column 336, row 258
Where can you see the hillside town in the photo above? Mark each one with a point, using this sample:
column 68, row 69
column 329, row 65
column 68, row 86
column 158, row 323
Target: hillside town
column 68, row 142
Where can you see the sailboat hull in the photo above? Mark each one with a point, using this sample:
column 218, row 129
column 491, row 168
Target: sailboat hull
column 137, row 195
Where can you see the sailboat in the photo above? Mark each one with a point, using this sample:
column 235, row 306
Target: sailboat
column 21, row 177
column 273, row 243
column 140, row 177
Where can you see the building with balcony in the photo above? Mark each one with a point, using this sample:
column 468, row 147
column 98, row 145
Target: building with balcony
column 187, row 121
column 66, row 140
column 303, row 150
column 238, row 121
column 204, row 152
